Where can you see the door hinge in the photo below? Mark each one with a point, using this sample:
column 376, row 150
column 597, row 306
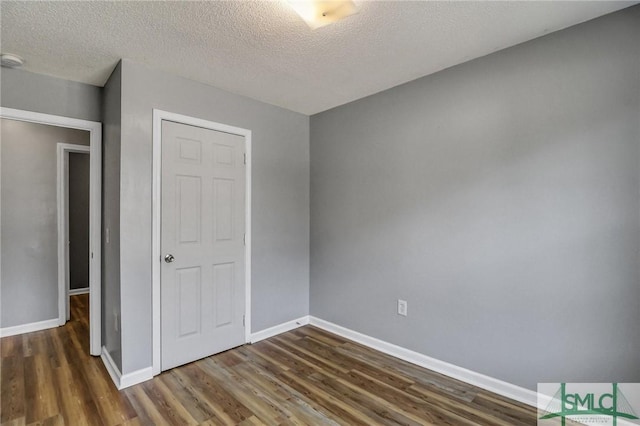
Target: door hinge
column 245, row 157
column 244, row 239
column 92, row 255
column 243, row 320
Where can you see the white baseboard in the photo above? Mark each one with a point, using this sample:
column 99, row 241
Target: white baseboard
column 136, row 377
column 75, row 291
column 280, row 328
column 500, row 387
column 111, row 367
column 29, row 328
column 124, row 380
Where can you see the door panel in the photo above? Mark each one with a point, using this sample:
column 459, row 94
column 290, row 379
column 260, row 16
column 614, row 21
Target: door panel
column 188, row 194
column 223, row 279
column 223, row 209
column 203, row 212
column 188, row 291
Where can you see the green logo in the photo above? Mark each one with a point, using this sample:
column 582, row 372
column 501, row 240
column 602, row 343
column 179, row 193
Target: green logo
column 590, row 407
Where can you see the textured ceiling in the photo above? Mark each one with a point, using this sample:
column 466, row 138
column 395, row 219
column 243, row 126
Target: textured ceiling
column 263, row 50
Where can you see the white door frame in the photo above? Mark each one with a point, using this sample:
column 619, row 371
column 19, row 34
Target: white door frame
column 62, row 197
column 156, row 257
column 95, row 219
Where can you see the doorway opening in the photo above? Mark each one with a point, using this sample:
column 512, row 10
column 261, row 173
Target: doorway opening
column 73, row 192
column 24, row 324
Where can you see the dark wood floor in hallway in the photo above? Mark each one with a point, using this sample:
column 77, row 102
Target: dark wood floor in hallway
column 303, row 377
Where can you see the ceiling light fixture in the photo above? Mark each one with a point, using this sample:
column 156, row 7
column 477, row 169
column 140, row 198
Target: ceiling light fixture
column 318, row 13
column 9, row 60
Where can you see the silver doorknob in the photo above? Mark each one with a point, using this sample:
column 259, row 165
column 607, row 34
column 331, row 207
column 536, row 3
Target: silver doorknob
column 169, row 258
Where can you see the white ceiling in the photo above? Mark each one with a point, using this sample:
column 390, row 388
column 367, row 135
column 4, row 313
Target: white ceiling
column 263, row 50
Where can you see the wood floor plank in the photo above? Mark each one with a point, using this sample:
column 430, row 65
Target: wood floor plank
column 41, row 398
column 249, row 356
column 195, row 403
column 382, row 416
column 56, row 420
column 468, row 409
column 455, row 388
column 113, row 406
column 15, row 422
column 367, row 400
column 502, row 407
column 132, row 422
column 75, row 402
column 380, row 372
column 172, row 411
column 318, row 334
column 251, row 421
column 331, row 404
column 51, row 353
column 147, row 411
column 335, row 403
column 13, row 398
column 222, row 404
column 282, row 359
column 262, row 407
column 294, row 402
column 397, row 400
column 58, row 346
column 33, row 343
column 311, row 356
column 307, row 376
column 192, row 401
column 11, row 346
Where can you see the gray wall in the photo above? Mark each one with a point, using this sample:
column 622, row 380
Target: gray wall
column 280, row 199
column 49, row 95
column 78, row 220
column 500, row 198
column 29, row 281
column 111, row 107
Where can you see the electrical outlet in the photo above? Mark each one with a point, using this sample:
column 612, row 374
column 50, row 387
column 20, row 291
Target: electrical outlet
column 402, row 307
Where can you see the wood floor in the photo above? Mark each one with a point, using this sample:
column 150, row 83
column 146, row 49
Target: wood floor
column 303, row 377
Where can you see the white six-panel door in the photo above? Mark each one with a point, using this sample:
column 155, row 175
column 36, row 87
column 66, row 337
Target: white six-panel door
column 202, row 243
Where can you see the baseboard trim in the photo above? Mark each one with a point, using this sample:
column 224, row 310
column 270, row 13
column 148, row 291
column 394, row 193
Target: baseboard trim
column 76, row 291
column 280, row 328
column 29, row 328
column 136, row 377
column 111, row 367
column 123, row 381
column 500, row 387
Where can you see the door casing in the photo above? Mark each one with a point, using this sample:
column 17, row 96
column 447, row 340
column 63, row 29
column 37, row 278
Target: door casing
column 156, row 256
column 62, row 151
